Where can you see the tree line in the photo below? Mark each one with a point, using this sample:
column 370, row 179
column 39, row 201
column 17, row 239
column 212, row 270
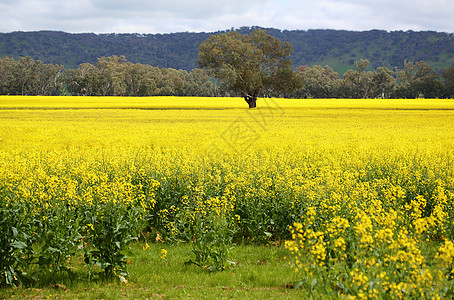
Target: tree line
column 109, row 76
column 414, row 80
column 115, row 76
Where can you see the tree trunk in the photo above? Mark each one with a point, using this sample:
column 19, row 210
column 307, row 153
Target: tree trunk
column 251, row 100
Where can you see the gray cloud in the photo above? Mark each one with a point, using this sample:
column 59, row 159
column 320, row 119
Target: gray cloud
column 152, row 16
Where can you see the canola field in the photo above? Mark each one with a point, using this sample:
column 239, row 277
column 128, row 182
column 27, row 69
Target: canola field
column 361, row 191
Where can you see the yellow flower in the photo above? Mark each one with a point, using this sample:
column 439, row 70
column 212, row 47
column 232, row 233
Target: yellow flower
column 340, row 243
column 163, row 254
column 446, row 252
column 421, row 225
column 146, row 246
column 358, row 277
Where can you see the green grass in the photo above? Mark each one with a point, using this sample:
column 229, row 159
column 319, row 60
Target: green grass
column 260, row 272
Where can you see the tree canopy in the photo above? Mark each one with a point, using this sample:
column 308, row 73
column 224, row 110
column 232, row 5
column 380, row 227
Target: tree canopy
column 115, row 76
column 249, row 63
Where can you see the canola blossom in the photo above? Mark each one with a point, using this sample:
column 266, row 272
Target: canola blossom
column 361, row 190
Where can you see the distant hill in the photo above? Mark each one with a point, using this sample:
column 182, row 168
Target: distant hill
column 336, row 48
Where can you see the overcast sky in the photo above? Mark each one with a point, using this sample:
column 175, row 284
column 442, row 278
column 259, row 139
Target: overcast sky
column 165, row 16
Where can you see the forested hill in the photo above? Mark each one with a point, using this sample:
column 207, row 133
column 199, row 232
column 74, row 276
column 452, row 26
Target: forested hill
column 336, row 48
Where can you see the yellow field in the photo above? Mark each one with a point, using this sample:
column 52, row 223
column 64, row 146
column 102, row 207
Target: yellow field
column 367, row 184
column 52, row 123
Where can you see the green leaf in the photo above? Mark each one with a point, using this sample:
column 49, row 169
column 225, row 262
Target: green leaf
column 18, row 245
column 314, row 283
column 38, row 246
column 14, row 231
column 53, row 250
column 300, row 283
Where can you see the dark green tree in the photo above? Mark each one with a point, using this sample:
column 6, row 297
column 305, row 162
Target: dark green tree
column 6, row 72
column 249, row 63
column 317, row 82
column 419, row 80
column 448, row 77
column 358, row 81
column 139, row 79
column 28, row 77
column 427, row 82
column 383, row 83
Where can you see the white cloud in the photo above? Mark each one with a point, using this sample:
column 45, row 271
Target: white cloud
column 153, row 16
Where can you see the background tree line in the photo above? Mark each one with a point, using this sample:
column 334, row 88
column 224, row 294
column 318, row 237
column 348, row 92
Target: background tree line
column 414, row 80
column 115, row 76
column 109, row 76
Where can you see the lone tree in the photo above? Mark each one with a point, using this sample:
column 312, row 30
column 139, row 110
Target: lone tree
column 249, row 63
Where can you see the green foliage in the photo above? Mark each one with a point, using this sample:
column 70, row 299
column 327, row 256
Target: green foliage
column 10, row 246
column 36, row 245
column 211, row 239
column 32, row 64
column 45, row 224
column 448, row 77
column 110, row 229
column 52, row 237
column 337, row 48
column 110, row 76
column 249, row 63
column 116, row 76
column 26, row 76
